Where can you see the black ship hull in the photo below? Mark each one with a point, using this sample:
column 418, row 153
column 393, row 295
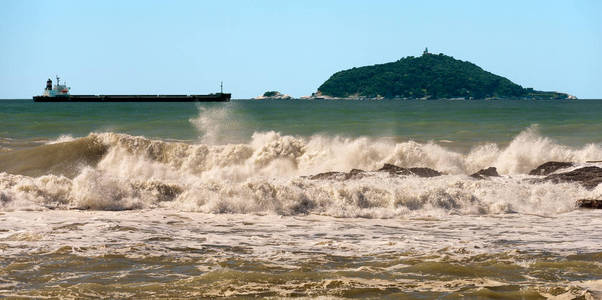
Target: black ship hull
column 219, row 97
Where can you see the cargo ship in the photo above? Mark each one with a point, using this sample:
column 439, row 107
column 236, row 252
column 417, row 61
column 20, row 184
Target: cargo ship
column 60, row 93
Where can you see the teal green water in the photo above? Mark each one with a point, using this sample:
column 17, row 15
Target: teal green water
column 463, row 123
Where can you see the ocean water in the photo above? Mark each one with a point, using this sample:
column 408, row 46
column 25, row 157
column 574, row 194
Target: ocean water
column 209, row 200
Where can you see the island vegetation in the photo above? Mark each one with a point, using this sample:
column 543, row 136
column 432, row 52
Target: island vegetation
column 433, row 76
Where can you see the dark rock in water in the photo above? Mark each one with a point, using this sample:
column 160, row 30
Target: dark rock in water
column 327, row 175
column 421, row 172
column 393, row 169
column 353, row 174
column 484, row 173
column 425, row 172
column 491, row 172
column 550, row 167
column 589, row 177
column 356, row 172
column 589, row 203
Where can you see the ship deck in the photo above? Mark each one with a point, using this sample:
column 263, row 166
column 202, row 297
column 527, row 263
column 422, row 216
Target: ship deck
column 219, row 97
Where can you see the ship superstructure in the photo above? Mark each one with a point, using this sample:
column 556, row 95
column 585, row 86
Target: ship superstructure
column 60, row 93
column 58, row 90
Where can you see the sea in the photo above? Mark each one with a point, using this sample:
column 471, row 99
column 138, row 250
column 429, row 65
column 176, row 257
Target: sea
column 210, row 200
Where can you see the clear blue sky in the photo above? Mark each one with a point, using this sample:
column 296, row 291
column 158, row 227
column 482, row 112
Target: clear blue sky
column 291, row 46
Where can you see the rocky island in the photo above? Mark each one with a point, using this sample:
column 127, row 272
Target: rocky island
column 430, row 76
column 271, row 95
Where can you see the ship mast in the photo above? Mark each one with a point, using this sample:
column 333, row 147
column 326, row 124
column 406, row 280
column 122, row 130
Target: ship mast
column 221, row 87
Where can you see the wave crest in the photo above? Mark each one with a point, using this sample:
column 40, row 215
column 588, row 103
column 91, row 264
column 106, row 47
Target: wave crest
column 267, row 175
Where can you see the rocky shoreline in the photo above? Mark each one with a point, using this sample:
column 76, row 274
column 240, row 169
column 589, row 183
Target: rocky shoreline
column 589, row 176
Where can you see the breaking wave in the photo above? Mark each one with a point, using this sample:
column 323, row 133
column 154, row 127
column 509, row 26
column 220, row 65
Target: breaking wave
column 268, row 174
column 61, row 139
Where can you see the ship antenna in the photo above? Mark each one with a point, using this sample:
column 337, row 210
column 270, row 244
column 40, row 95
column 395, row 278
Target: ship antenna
column 221, row 87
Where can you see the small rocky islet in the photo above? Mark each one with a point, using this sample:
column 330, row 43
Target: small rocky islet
column 273, row 95
column 589, row 176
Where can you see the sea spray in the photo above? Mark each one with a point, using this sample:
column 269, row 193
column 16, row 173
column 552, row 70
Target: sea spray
column 220, row 125
column 530, row 149
column 269, row 175
column 61, row 139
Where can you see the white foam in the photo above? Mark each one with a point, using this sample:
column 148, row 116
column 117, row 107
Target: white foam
column 266, row 175
column 61, row 139
column 529, row 149
column 94, row 233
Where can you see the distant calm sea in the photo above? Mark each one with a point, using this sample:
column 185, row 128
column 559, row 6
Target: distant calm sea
column 147, row 200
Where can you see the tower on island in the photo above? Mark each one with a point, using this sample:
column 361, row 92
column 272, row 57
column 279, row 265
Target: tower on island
column 426, row 51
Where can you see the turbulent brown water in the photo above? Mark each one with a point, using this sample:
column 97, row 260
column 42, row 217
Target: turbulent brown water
column 119, row 215
column 167, row 253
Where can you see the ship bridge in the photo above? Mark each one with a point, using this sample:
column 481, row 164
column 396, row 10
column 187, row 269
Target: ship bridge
column 57, row 90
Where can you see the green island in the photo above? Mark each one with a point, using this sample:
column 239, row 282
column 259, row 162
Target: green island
column 430, row 76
